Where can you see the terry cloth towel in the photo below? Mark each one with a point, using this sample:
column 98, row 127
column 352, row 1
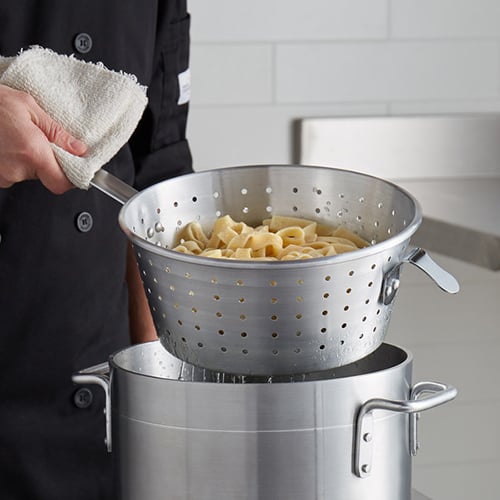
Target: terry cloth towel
column 96, row 105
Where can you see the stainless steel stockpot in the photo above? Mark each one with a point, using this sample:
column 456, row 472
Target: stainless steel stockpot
column 184, row 433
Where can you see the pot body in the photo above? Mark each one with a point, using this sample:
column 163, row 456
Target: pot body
column 187, row 440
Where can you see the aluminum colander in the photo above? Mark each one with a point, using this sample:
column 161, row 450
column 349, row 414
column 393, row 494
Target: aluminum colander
column 272, row 318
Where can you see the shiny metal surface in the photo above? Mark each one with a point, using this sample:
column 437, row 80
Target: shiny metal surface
column 444, row 280
column 449, row 163
column 436, row 394
column 112, row 186
column 415, row 495
column 405, row 147
column 271, row 318
column 460, row 218
column 255, row 441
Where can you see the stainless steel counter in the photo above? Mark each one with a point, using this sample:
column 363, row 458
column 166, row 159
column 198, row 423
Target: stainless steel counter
column 461, row 218
column 441, row 153
column 415, row 495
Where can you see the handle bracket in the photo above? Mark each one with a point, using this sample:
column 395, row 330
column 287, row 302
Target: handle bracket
column 421, row 259
column 99, row 375
column 364, row 426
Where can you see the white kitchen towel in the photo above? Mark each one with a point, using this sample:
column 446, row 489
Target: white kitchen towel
column 96, row 105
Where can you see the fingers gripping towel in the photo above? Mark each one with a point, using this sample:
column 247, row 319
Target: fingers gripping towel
column 96, row 105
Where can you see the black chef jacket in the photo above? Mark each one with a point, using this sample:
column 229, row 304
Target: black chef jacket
column 63, row 298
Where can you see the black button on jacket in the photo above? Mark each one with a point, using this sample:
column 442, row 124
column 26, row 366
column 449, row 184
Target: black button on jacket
column 63, row 298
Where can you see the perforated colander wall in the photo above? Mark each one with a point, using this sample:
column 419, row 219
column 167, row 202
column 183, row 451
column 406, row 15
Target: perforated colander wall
column 271, row 318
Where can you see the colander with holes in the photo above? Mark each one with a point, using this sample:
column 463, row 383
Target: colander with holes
column 273, row 318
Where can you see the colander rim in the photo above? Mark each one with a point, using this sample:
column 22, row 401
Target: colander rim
column 391, row 242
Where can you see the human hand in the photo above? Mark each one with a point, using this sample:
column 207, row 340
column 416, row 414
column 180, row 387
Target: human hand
column 26, row 132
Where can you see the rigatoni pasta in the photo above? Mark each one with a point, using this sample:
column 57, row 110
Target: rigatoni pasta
column 277, row 238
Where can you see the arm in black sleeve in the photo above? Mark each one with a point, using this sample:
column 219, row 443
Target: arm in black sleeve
column 159, row 144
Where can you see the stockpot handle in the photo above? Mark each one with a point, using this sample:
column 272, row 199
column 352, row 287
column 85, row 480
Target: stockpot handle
column 113, row 186
column 437, row 394
column 98, row 375
column 421, row 259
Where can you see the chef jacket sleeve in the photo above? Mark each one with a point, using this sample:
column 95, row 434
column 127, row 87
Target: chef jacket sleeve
column 159, row 144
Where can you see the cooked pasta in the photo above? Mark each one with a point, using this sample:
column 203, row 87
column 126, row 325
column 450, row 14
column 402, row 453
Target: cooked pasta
column 278, row 238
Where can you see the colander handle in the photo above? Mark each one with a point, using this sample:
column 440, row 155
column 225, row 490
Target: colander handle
column 437, row 394
column 112, row 186
column 443, row 279
column 421, row 259
column 99, row 375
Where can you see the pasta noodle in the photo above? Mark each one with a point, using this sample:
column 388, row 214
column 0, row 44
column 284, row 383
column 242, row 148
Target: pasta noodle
column 278, row 238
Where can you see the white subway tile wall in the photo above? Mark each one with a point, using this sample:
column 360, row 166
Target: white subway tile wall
column 285, row 20
column 234, row 74
column 259, row 66
column 386, row 71
column 440, row 19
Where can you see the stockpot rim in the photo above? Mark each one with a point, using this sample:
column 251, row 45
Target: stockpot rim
column 379, row 247
column 406, row 361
